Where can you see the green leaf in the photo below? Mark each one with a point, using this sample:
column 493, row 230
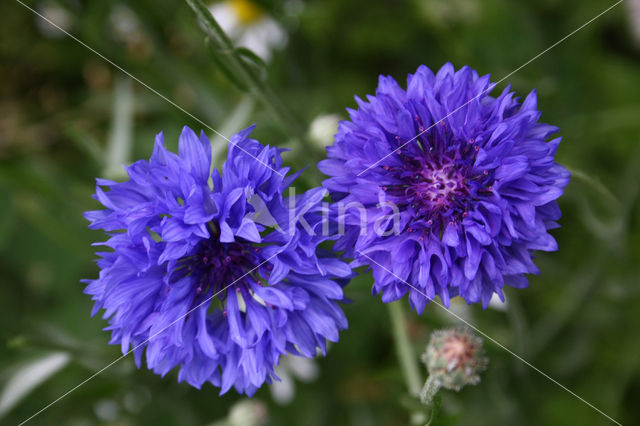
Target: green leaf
column 118, row 150
column 223, row 67
column 435, row 408
column 611, row 200
column 7, row 217
column 254, row 61
column 29, row 376
column 85, row 142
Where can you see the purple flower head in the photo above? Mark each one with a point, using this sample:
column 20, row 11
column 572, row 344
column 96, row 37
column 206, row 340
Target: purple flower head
column 215, row 273
column 473, row 195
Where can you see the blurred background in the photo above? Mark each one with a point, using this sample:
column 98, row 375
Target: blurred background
column 67, row 116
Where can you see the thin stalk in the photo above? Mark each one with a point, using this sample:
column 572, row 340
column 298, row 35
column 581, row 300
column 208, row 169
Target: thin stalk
column 429, row 391
column 611, row 200
column 118, row 150
column 430, row 397
column 237, row 66
column 404, row 350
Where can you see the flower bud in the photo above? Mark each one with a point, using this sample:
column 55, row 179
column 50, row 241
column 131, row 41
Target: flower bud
column 455, row 358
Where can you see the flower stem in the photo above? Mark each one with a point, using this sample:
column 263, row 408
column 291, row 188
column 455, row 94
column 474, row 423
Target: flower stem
column 233, row 62
column 404, row 350
column 119, row 144
column 606, row 193
column 429, row 391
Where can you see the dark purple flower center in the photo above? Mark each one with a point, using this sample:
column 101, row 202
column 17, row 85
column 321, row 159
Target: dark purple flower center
column 223, row 263
column 437, row 180
column 216, row 265
column 437, row 188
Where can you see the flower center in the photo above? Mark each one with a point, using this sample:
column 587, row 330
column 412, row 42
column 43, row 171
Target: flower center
column 437, row 181
column 223, row 264
column 216, row 265
column 246, row 11
column 458, row 350
column 438, row 190
column 438, row 185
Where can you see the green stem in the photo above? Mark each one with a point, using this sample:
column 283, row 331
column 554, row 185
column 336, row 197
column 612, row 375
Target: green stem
column 404, row 350
column 430, row 397
column 119, row 144
column 238, row 67
column 609, row 197
column 429, row 391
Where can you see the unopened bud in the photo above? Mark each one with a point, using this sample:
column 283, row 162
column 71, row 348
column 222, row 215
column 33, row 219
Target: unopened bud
column 455, row 358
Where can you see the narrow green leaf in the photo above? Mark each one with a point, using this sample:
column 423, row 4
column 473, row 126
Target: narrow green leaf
column 255, row 61
column 29, row 376
column 435, row 409
column 594, row 183
column 223, row 67
column 120, row 139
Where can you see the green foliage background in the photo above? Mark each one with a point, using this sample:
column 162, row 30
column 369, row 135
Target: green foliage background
column 578, row 321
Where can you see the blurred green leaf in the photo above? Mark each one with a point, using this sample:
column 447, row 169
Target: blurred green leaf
column 119, row 144
column 259, row 65
column 217, row 57
column 27, row 377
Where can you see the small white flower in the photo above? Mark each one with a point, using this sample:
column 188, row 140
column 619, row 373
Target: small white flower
column 304, row 369
column 323, row 128
column 107, row 410
column 497, row 304
column 125, row 25
column 447, row 12
column 634, row 18
column 247, row 413
column 56, row 14
column 127, row 28
column 459, row 308
column 249, row 26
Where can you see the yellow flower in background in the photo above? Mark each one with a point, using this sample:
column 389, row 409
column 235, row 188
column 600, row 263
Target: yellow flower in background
column 247, row 11
column 250, row 26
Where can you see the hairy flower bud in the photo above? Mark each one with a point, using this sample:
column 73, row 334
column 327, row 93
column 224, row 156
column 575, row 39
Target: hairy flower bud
column 455, row 358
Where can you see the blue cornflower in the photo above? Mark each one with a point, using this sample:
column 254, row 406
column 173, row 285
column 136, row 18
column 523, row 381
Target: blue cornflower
column 457, row 210
column 218, row 274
